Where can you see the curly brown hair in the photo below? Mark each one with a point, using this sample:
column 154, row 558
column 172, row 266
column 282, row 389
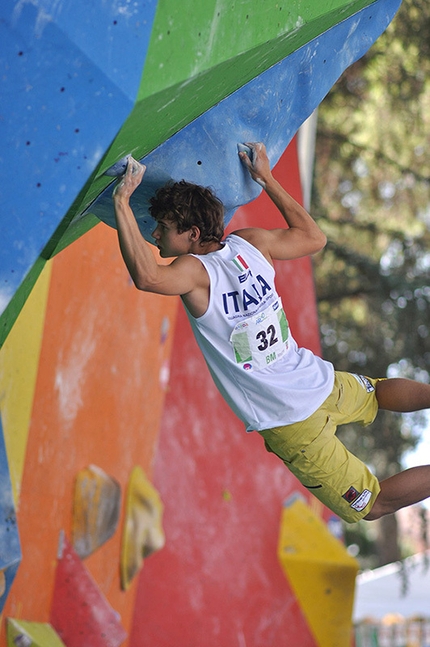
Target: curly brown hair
column 189, row 204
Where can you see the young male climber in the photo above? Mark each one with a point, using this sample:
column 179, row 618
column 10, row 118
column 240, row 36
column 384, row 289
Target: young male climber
column 292, row 397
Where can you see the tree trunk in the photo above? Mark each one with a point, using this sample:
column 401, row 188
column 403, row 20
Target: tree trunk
column 387, row 545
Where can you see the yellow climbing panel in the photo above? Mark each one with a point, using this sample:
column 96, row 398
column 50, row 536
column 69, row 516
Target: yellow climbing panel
column 19, row 364
column 321, row 573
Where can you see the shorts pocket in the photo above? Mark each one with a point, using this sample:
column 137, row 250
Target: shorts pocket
column 323, row 457
column 342, row 400
column 282, row 441
column 356, row 399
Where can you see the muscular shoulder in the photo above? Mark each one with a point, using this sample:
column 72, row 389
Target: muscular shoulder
column 257, row 237
column 185, row 261
column 196, row 297
column 189, row 265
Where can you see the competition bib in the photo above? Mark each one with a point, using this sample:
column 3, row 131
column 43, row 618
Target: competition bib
column 261, row 340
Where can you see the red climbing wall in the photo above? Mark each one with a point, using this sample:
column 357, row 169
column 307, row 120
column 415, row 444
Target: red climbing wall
column 218, row 581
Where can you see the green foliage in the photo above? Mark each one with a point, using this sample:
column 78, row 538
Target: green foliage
column 372, row 199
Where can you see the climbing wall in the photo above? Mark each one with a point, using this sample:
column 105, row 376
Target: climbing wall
column 116, row 452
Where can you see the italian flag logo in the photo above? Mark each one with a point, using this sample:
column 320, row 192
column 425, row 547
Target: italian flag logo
column 241, row 265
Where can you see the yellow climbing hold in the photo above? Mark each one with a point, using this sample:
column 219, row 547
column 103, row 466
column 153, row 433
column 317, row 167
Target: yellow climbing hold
column 96, row 508
column 21, row 633
column 143, row 532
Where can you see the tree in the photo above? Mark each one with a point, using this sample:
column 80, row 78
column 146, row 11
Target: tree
column 372, row 198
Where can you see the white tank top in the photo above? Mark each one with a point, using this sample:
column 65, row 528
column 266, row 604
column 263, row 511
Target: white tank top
column 244, row 336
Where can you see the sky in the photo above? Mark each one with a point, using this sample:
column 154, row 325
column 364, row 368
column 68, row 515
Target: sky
column 421, row 454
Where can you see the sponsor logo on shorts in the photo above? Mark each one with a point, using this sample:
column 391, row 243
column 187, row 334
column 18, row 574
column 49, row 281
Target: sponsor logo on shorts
column 361, row 502
column 247, row 366
column 351, row 495
column 365, row 382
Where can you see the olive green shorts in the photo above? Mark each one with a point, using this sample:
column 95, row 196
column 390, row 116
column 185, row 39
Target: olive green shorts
column 314, row 454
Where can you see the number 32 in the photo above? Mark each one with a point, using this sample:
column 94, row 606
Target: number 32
column 267, row 337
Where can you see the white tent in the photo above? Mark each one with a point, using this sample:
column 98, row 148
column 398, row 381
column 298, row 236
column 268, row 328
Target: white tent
column 394, row 589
